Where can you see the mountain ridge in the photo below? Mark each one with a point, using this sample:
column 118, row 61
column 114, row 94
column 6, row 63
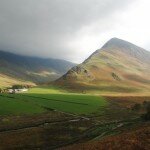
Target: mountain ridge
column 32, row 69
column 117, row 65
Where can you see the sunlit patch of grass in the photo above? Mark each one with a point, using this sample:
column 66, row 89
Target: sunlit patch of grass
column 48, row 98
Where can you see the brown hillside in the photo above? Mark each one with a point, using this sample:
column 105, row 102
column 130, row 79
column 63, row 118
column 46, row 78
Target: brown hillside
column 118, row 66
column 137, row 139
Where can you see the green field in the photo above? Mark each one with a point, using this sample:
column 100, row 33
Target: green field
column 43, row 99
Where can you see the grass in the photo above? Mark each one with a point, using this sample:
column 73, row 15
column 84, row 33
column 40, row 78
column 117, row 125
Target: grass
column 42, row 99
column 13, row 106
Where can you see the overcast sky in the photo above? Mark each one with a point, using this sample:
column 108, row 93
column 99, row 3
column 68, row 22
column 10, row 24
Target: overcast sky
column 71, row 29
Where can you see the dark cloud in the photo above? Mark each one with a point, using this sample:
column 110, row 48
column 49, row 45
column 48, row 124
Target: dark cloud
column 45, row 28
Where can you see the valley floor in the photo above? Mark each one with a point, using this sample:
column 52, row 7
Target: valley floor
column 50, row 118
column 137, row 138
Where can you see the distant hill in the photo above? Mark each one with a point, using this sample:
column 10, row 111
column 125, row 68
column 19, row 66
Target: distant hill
column 22, row 69
column 119, row 66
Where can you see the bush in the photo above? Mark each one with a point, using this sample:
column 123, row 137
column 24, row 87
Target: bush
column 19, row 86
column 115, row 76
column 146, row 116
column 136, row 107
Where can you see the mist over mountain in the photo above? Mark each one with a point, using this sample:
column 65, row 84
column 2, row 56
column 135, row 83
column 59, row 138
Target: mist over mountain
column 30, row 69
column 119, row 66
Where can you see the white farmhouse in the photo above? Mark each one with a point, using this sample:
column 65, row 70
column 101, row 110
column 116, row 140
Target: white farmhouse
column 17, row 90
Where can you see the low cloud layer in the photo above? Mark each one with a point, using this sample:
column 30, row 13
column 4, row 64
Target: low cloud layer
column 70, row 29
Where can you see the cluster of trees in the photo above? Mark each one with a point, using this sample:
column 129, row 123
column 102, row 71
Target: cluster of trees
column 3, row 90
column 15, row 87
column 20, row 86
column 144, row 106
column 146, row 116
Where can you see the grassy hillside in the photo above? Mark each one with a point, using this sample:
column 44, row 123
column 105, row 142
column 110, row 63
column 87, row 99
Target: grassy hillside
column 30, row 69
column 118, row 67
column 6, row 81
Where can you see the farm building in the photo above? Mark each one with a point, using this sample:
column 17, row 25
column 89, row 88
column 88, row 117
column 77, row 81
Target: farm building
column 17, row 90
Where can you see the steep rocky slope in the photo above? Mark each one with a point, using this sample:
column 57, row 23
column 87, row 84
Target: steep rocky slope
column 119, row 66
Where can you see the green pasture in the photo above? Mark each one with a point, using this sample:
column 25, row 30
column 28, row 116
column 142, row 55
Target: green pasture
column 42, row 99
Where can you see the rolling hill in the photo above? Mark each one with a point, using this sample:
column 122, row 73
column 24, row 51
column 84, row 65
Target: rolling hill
column 119, row 66
column 17, row 69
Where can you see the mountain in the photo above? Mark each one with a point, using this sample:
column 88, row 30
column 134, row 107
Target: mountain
column 119, row 66
column 32, row 70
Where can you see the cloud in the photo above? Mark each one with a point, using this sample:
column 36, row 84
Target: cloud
column 65, row 29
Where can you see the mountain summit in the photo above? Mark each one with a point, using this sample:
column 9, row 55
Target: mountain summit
column 119, row 66
column 118, row 42
column 128, row 48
